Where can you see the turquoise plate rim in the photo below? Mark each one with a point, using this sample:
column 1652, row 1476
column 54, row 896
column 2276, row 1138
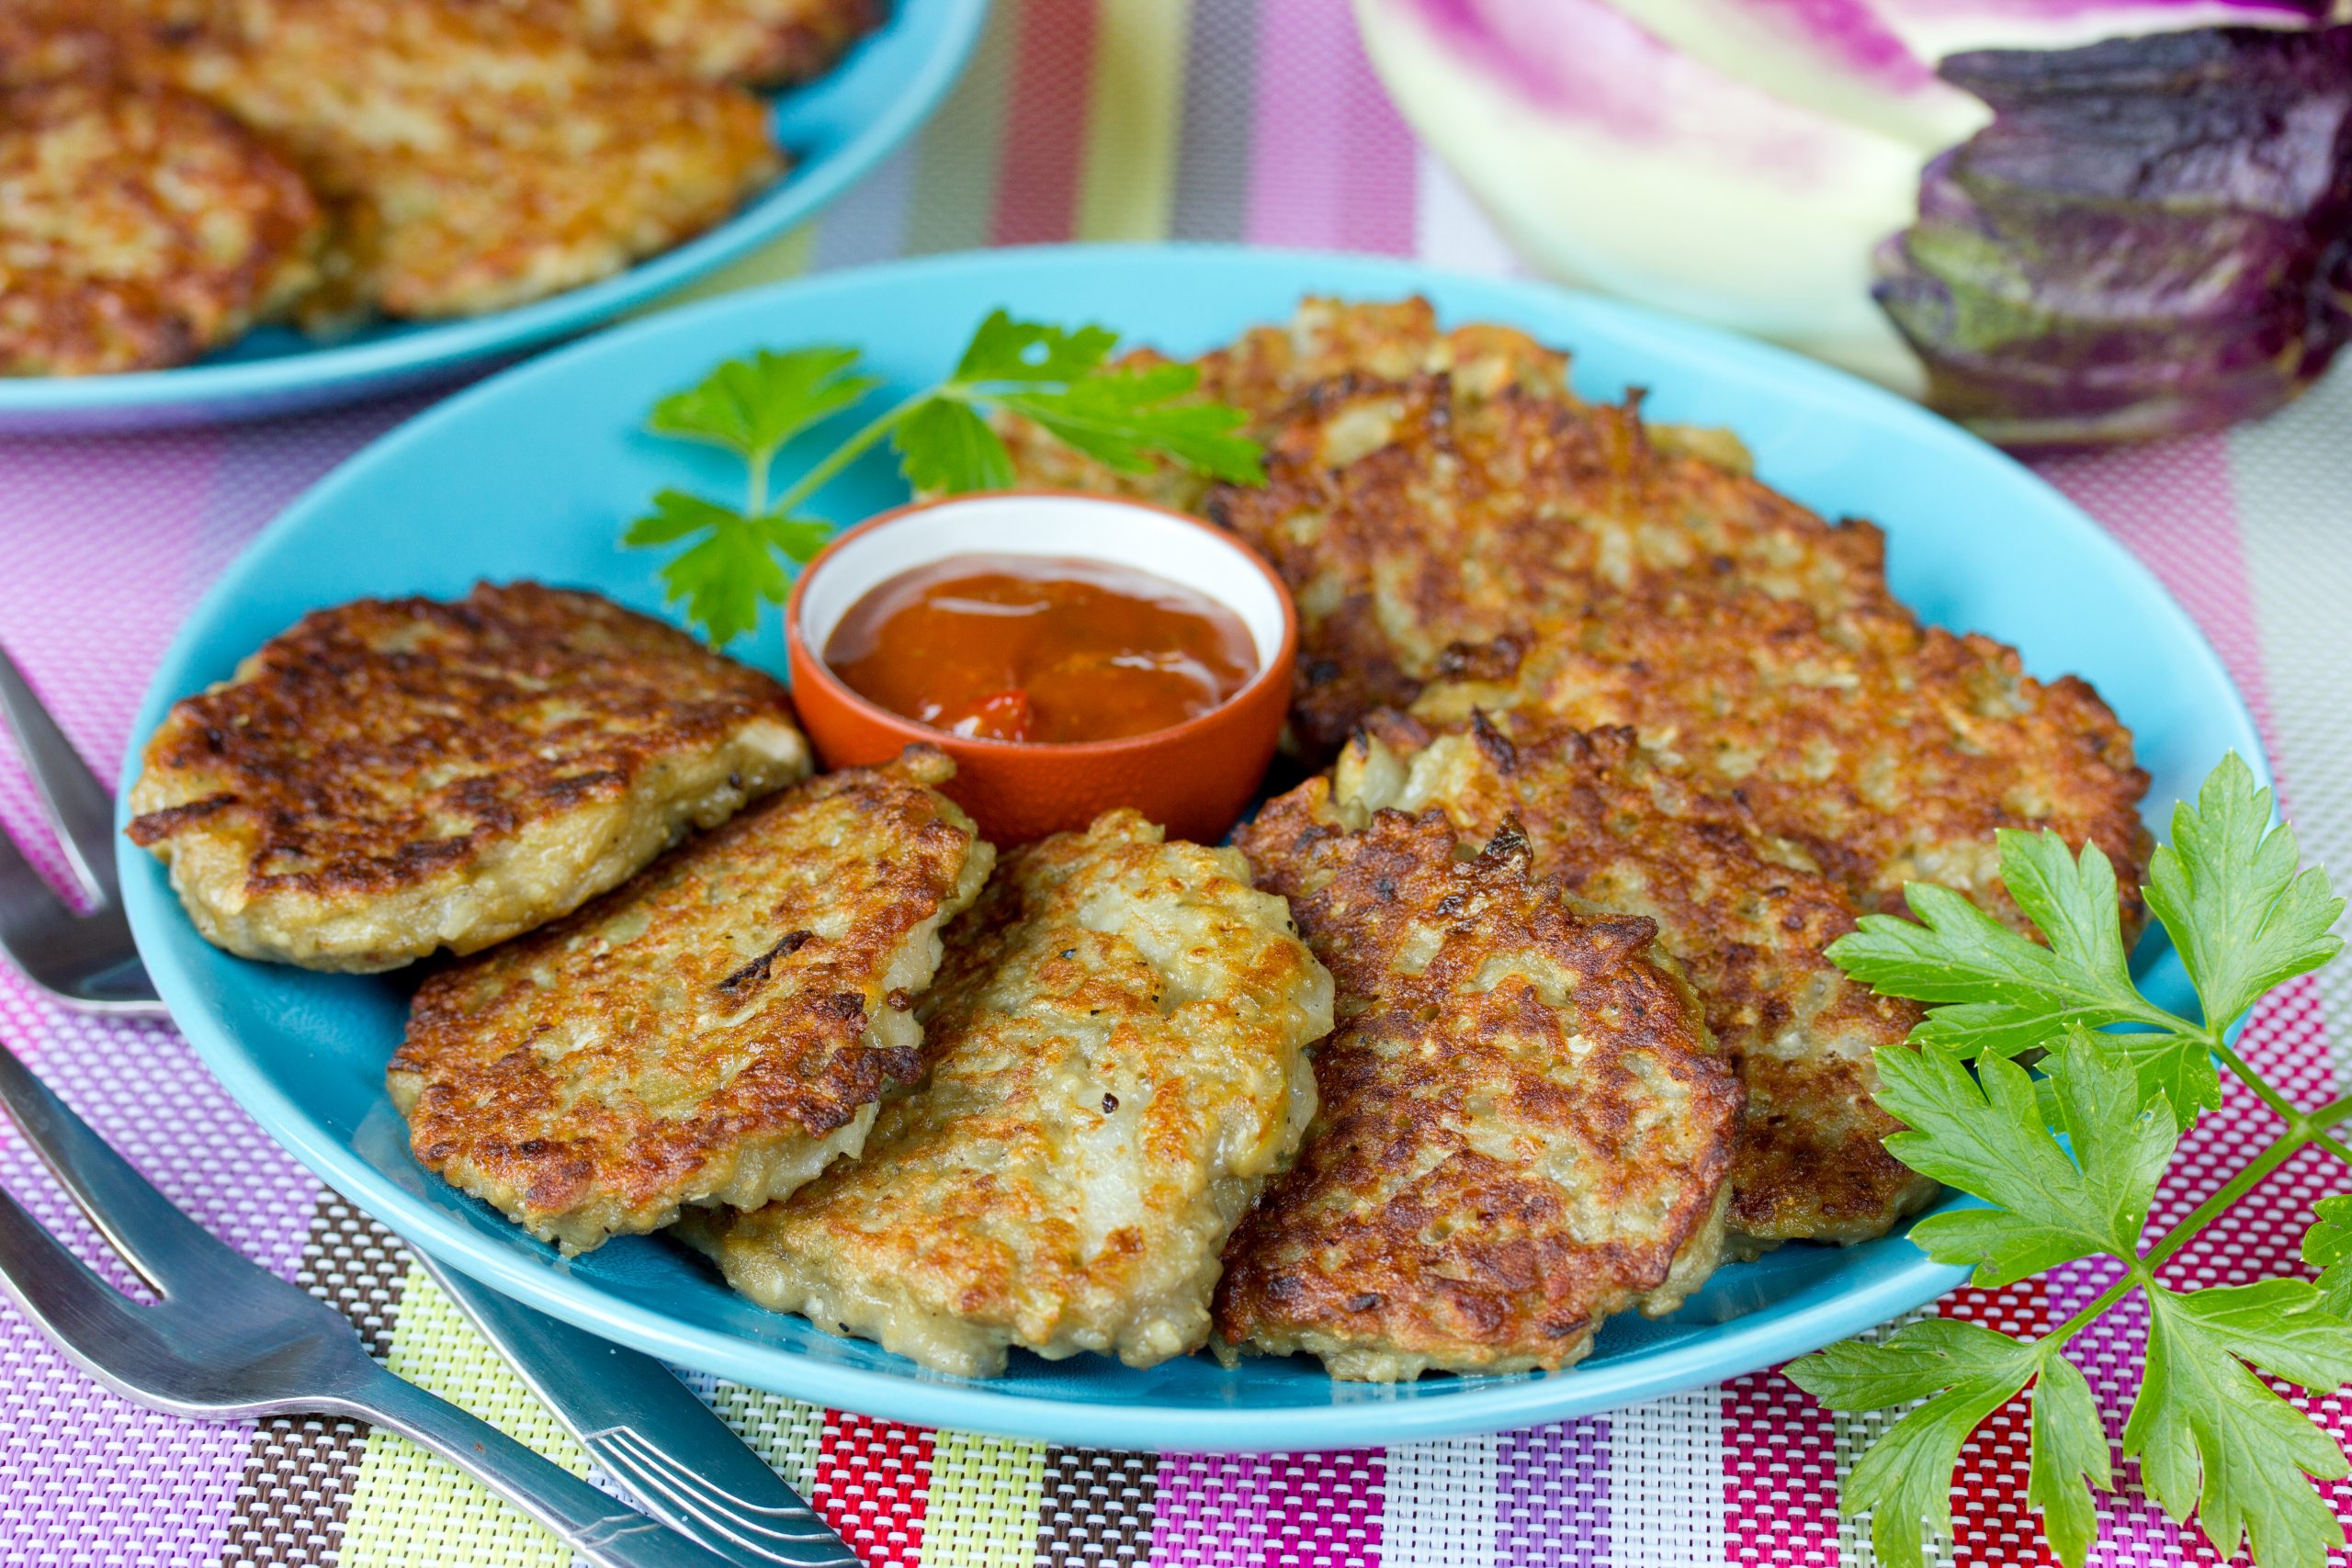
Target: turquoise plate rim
column 333, row 374
column 1870, row 1286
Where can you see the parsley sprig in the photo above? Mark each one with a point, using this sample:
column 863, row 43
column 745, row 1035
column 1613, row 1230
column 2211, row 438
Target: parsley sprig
column 2067, row 1169
column 1063, row 380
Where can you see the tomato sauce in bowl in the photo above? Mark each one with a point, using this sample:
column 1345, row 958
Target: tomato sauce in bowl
column 1041, row 650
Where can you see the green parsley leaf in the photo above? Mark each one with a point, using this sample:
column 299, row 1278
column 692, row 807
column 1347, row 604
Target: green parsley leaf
column 945, row 449
column 2227, row 889
column 2069, row 1457
column 1985, row 1134
column 1999, row 992
column 1126, row 418
column 1995, row 992
column 1004, row 349
column 752, row 406
column 1062, row 379
column 2212, row 1437
column 1964, row 1372
column 726, row 576
column 2327, row 1246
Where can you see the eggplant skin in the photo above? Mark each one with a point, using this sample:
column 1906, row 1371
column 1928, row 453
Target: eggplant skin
column 2154, row 236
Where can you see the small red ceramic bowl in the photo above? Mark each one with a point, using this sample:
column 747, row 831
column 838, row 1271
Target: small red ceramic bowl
column 1193, row 779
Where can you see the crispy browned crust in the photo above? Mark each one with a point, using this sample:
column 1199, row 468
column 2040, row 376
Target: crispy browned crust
column 699, row 1034
column 402, row 752
column 140, row 227
column 1524, row 1127
column 477, row 157
column 759, row 43
column 1117, row 1064
column 1407, row 518
column 1746, row 916
column 1889, row 750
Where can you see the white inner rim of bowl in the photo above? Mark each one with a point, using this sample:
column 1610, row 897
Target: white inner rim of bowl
column 1069, row 527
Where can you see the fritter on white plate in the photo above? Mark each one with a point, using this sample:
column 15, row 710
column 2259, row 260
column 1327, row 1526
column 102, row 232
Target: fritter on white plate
column 138, row 227
column 391, row 777
column 1746, row 914
column 713, row 1033
column 1524, row 1130
column 1116, row 1049
column 1890, row 751
column 476, row 157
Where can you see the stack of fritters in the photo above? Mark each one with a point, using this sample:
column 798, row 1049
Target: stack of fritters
column 1890, row 751
column 1524, row 1126
column 393, row 777
column 476, row 157
column 1522, row 569
column 1745, row 913
column 713, row 1033
column 1116, row 1065
column 1410, row 520
column 140, row 226
column 174, row 171
column 759, row 43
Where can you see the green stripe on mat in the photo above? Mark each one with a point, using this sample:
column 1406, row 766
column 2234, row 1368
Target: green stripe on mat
column 414, row 1509
column 984, row 1501
column 957, row 159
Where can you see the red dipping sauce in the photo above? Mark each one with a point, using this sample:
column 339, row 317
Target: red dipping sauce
column 1040, row 648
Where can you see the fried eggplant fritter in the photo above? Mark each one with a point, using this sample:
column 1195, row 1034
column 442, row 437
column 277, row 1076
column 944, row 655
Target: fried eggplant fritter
column 757, row 43
column 477, row 158
column 712, row 1032
column 391, row 777
column 1525, row 1125
column 1888, row 750
column 140, row 227
column 1408, row 520
column 1265, row 370
column 1117, row 1063
column 1746, row 916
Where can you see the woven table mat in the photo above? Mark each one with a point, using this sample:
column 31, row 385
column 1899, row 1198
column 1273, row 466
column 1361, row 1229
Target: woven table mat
column 1098, row 119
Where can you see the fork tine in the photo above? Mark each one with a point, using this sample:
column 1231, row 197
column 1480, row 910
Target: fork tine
column 171, row 1252
column 97, row 1325
column 79, row 807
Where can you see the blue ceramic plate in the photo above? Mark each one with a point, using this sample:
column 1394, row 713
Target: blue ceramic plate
column 836, row 130
column 532, row 473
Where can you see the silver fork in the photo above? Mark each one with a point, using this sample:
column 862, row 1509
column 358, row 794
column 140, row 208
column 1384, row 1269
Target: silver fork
column 203, row 1350
column 86, row 961
column 226, row 1338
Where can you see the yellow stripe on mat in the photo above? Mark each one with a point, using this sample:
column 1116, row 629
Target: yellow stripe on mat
column 984, row 1501
column 414, row 1509
column 1133, row 118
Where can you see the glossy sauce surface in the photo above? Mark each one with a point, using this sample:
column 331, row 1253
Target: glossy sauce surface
column 1040, row 648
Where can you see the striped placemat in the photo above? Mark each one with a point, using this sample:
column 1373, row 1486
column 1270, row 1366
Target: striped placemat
column 1141, row 119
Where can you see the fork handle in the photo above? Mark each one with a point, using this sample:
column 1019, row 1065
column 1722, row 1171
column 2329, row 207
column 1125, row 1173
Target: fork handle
column 597, row 1526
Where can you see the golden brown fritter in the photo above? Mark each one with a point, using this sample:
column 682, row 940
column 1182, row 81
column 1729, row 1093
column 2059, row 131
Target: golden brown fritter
column 760, row 43
column 1266, row 369
column 477, row 158
column 1524, row 1127
column 713, row 1033
column 1407, row 518
column 1888, row 750
column 1745, row 915
column 391, row 777
column 1116, row 1049
column 140, row 227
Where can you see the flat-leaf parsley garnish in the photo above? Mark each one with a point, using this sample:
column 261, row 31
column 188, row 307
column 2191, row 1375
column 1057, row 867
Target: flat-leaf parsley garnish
column 1063, row 380
column 2068, row 1168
